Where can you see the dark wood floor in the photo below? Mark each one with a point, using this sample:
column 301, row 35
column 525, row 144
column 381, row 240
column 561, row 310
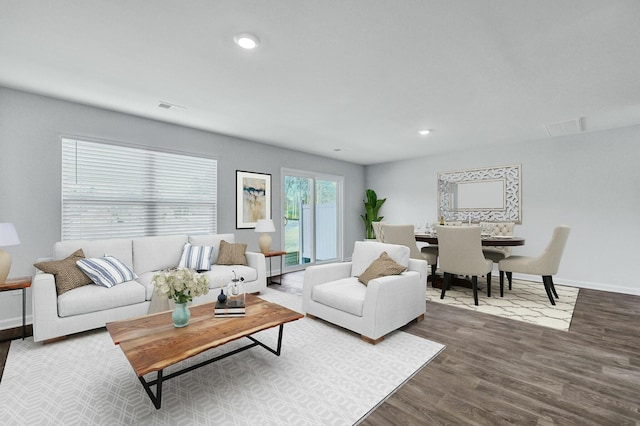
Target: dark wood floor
column 498, row 371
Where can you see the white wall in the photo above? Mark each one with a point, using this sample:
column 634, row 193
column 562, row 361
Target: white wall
column 30, row 173
column 590, row 182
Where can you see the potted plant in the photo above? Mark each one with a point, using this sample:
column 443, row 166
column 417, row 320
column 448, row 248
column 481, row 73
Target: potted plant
column 371, row 207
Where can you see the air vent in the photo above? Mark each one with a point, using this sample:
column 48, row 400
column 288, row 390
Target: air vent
column 568, row 127
column 167, row 105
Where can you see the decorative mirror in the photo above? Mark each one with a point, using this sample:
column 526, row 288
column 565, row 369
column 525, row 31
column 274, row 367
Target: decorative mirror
column 491, row 194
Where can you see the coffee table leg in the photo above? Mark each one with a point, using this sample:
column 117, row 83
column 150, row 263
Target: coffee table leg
column 157, row 398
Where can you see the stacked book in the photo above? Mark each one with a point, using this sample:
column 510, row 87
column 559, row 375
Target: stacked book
column 230, row 308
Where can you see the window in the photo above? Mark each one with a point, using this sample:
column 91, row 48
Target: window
column 112, row 191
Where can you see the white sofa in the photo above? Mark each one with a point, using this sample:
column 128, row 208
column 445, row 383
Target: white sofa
column 92, row 306
column 332, row 292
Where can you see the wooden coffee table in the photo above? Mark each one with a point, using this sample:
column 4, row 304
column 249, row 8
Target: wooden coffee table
column 151, row 342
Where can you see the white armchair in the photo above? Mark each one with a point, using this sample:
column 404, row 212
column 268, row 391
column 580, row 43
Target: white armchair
column 332, row 292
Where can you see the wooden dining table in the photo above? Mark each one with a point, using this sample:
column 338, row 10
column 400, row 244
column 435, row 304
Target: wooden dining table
column 505, row 241
column 488, row 241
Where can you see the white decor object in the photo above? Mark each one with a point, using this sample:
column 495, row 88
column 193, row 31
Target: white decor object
column 264, row 241
column 8, row 237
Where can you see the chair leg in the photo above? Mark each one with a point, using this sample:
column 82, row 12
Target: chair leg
column 433, row 273
column 510, row 278
column 547, row 287
column 553, row 287
column 501, row 283
column 489, row 284
column 474, row 280
column 445, row 284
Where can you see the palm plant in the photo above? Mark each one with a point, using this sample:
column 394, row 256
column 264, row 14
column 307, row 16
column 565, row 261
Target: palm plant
column 371, row 207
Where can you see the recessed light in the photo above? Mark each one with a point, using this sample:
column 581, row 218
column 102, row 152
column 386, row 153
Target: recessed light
column 246, row 40
column 424, row 132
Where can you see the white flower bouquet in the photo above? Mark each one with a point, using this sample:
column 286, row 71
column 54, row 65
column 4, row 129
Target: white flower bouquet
column 181, row 285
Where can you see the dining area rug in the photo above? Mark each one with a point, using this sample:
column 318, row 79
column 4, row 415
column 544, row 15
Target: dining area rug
column 527, row 301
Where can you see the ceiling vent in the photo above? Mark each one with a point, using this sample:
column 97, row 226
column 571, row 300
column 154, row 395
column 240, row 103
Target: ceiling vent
column 167, row 105
column 562, row 128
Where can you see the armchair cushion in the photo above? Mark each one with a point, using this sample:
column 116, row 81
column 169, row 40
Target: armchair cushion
column 365, row 252
column 381, row 267
column 346, row 295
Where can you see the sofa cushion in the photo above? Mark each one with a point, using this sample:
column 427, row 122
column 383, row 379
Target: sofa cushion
column 66, row 273
column 365, row 252
column 94, row 298
column 221, row 275
column 145, row 279
column 232, row 254
column 106, row 271
column 381, row 267
column 157, row 253
column 346, row 294
column 196, row 257
column 116, row 247
column 212, row 240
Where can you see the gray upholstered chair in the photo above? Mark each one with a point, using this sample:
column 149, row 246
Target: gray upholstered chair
column 460, row 253
column 404, row 235
column 497, row 253
column 546, row 265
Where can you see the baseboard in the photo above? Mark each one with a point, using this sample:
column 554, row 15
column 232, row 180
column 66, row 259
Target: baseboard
column 14, row 322
column 582, row 284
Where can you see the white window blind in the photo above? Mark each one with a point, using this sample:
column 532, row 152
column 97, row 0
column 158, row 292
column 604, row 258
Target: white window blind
column 113, row 191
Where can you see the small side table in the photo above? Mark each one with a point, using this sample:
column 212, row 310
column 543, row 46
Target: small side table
column 270, row 255
column 16, row 284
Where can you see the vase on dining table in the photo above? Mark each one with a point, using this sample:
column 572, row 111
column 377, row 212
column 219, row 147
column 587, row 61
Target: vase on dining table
column 181, row 315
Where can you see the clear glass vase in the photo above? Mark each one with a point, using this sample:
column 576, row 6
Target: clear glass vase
column 181, row 315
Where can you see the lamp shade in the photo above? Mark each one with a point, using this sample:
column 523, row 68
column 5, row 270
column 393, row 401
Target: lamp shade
column 265, row 225
column 8, row 235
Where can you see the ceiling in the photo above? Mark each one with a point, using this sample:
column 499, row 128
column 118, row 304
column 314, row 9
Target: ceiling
column 359, row 76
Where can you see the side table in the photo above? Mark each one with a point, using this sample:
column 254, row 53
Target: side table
column 270, row 255
column 20, row 283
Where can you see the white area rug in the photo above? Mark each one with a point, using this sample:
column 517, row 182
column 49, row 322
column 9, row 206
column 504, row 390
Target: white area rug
column 527, row 301
column 325, row 375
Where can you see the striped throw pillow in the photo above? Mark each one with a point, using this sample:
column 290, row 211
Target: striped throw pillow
column 106, row 271
column 196, row 257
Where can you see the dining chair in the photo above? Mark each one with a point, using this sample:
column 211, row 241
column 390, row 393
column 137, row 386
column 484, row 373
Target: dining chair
column 497, row 253
column 460, row 253
column 431, row 253
column 404, row 235
column 546, row 264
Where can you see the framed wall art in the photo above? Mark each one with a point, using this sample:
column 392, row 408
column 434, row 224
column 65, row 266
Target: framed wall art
column 253, row 198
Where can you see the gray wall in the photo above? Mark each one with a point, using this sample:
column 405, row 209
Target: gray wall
column 590, row 182
column 30, row 172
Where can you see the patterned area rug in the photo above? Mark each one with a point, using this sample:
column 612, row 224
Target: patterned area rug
column 527, row 301
column 325, row 375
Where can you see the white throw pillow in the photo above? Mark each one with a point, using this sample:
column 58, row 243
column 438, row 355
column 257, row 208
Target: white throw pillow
column 196, row 257
column 106, row 271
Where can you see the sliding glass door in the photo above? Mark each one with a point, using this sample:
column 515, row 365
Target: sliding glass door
column 312, row 222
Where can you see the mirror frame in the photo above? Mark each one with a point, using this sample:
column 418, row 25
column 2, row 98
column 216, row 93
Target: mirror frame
column 512, row 196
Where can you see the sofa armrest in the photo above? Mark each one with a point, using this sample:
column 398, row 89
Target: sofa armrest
column 44, row 302
column 395, row 300
column 319, row 274
column 257, row 262
column 420, row 266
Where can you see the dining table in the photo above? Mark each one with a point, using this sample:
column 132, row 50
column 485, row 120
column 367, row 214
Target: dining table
column 487, row 241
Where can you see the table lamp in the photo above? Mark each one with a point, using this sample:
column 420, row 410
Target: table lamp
column 8, row 237
column 264, row 241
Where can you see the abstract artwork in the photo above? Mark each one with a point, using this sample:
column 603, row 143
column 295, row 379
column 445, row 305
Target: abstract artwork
column 253, row 198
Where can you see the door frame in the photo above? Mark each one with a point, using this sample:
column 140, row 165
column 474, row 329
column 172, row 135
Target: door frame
column 287, row 171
